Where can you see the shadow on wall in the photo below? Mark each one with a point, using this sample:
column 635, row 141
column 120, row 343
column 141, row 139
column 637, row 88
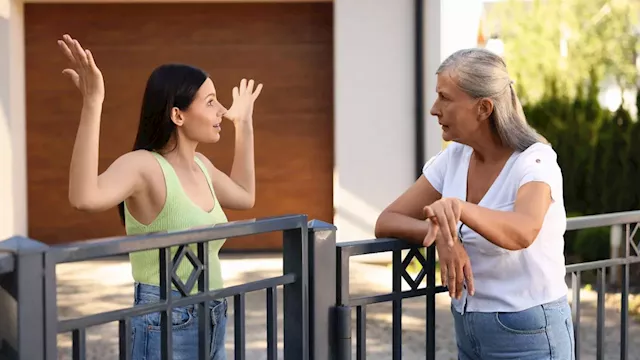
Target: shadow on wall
column 6, row 145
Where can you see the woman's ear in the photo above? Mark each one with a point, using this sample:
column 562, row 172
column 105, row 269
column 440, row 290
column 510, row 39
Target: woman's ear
column 176, row 116
column 485, row 109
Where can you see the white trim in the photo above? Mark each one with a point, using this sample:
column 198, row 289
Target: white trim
column 13, row 159
column 433, row 57
column 447, row 29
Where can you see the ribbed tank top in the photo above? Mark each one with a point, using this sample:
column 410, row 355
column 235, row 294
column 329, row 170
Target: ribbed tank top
column 178, row 213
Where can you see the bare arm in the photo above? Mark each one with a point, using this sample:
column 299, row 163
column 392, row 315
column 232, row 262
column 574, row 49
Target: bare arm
column 87, row 190
column 92, row 193
column 243, row 170
column 404, row 218
column 229, row 192
column 83, row 171
column 238, row 191
column 512, row 230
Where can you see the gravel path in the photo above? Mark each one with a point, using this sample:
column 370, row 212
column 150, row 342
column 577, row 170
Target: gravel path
column 96, row 286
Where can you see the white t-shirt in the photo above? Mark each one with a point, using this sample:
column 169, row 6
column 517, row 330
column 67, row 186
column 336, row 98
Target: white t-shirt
column 506, row 280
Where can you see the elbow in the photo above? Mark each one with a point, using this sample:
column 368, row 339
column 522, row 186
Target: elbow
column 381, row 230
column 80, row 203
column 527, row 237
column 248, row 203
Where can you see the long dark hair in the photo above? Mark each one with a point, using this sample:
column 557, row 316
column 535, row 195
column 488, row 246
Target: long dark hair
column 169, row 86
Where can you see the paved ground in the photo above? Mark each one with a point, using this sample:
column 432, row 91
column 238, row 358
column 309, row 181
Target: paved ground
column 97, row 286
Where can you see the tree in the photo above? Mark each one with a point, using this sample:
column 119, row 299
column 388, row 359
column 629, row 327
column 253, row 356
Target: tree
column 566, row 40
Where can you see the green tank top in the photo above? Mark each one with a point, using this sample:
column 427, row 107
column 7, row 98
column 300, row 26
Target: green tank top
column 178, row 213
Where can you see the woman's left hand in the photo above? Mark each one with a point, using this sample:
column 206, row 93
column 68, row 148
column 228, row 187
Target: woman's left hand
column 243, row 98
column 446, row 213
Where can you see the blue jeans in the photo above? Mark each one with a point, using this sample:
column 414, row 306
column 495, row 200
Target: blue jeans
column 146, row 328
column 543, row 332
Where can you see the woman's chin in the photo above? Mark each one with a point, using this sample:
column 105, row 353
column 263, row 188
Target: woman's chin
column 213, row 139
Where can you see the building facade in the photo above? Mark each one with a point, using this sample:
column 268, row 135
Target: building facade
column 348, row 85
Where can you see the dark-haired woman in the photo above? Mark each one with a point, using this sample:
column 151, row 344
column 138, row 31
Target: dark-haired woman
column 164, row 184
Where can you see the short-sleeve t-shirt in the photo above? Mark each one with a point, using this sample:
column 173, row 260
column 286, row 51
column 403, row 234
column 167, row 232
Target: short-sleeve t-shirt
column 506, row 280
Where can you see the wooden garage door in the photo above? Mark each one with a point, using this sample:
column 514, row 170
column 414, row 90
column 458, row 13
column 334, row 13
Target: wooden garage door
column 288, row 47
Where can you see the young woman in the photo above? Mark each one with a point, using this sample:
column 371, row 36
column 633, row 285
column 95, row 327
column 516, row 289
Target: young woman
column 164, row 184
column 492, row 201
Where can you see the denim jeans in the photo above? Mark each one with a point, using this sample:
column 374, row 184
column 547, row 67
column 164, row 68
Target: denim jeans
column 543, row 332
column 146, row 328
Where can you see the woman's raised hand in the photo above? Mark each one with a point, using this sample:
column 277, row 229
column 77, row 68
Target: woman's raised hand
column 243, row 99
column 83, row 70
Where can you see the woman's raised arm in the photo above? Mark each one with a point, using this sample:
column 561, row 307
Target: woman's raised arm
column 87, row 190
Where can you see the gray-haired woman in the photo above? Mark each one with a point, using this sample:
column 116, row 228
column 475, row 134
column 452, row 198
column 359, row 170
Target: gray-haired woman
column 493, row 202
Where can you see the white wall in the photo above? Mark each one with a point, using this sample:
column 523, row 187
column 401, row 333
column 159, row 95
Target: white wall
column 447, row 29
column 13, row 193
column 374, row 110
column 374, row 99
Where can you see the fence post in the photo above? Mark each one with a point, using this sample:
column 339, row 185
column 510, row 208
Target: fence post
column 295, row 255
column 23, row 300
column 322, row 289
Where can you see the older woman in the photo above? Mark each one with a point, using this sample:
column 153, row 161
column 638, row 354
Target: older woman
column 492, row 202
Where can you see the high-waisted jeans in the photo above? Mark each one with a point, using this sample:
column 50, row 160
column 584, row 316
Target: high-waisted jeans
column 543, row 332
column 146, row 328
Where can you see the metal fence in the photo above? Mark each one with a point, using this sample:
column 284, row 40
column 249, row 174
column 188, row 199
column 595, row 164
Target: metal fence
column 28, row 299
column 631, row 221
column 317, row 302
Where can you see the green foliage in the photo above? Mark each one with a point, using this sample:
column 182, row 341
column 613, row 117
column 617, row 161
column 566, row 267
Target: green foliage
column 592, row 244
column 596, row 151
column 567, row 42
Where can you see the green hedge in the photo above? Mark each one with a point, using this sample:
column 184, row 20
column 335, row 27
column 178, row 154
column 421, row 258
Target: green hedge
column 599, row 155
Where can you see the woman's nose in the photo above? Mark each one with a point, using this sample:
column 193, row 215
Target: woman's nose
column 222, row 110
column 434, row 111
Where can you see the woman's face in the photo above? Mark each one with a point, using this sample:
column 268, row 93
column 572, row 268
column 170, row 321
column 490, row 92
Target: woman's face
column 201, row 122
column 456, row 111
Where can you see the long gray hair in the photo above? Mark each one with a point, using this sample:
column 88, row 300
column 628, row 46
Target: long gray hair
column 483, row 74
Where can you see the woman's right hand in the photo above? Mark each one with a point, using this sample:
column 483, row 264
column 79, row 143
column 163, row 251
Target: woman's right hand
column 83, row 71
column 455, row 265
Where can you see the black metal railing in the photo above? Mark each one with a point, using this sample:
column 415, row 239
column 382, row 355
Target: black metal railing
column 28, row 298
column 315, row 280
column 631, row 222
column 345, row 302
column 7, row 288
column 347, row 250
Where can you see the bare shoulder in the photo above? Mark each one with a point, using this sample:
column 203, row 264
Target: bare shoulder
column 138, row 159
column 138, row 163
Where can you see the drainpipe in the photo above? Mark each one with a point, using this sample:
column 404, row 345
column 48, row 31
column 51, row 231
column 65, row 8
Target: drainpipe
column 419, row 86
